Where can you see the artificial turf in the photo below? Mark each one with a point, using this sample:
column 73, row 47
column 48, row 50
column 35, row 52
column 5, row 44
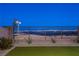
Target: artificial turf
column 45, row 51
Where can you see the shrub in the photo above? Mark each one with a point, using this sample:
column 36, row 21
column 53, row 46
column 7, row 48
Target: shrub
column 53, row 41
column 77, row 40
column 5, row 43
column 29, row 41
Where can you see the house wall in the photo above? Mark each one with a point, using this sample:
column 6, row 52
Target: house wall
column 4, row 32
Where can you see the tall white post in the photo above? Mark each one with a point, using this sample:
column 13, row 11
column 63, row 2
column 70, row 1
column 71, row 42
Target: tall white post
column 18, row 23
column 18, row 28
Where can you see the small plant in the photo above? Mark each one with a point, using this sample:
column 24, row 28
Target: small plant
column 29, row 41
column 5, row 43
column 53, row 41
column 77, row 40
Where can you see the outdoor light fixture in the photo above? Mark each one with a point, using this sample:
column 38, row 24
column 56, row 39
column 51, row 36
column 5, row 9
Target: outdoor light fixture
column 18, row 24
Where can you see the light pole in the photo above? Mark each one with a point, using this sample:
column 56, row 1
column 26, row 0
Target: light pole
column 18, row 23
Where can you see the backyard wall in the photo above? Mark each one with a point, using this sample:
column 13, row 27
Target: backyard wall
column 4, row 32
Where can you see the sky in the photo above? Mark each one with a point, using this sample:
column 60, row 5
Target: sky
column 40, row 14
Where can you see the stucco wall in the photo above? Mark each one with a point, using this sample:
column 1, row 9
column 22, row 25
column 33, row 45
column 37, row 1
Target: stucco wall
column 3, row 32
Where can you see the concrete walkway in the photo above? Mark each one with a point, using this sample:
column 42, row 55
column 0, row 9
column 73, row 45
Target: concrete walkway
column 28, row 45
column 23, row 43
column 4, row 52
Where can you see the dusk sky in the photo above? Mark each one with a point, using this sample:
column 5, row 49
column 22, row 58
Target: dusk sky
column 40, row 14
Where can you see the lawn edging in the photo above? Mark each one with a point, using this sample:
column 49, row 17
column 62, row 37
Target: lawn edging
column 8, row 51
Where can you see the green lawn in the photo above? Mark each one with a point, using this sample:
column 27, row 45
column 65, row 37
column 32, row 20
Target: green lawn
column 44, row 51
